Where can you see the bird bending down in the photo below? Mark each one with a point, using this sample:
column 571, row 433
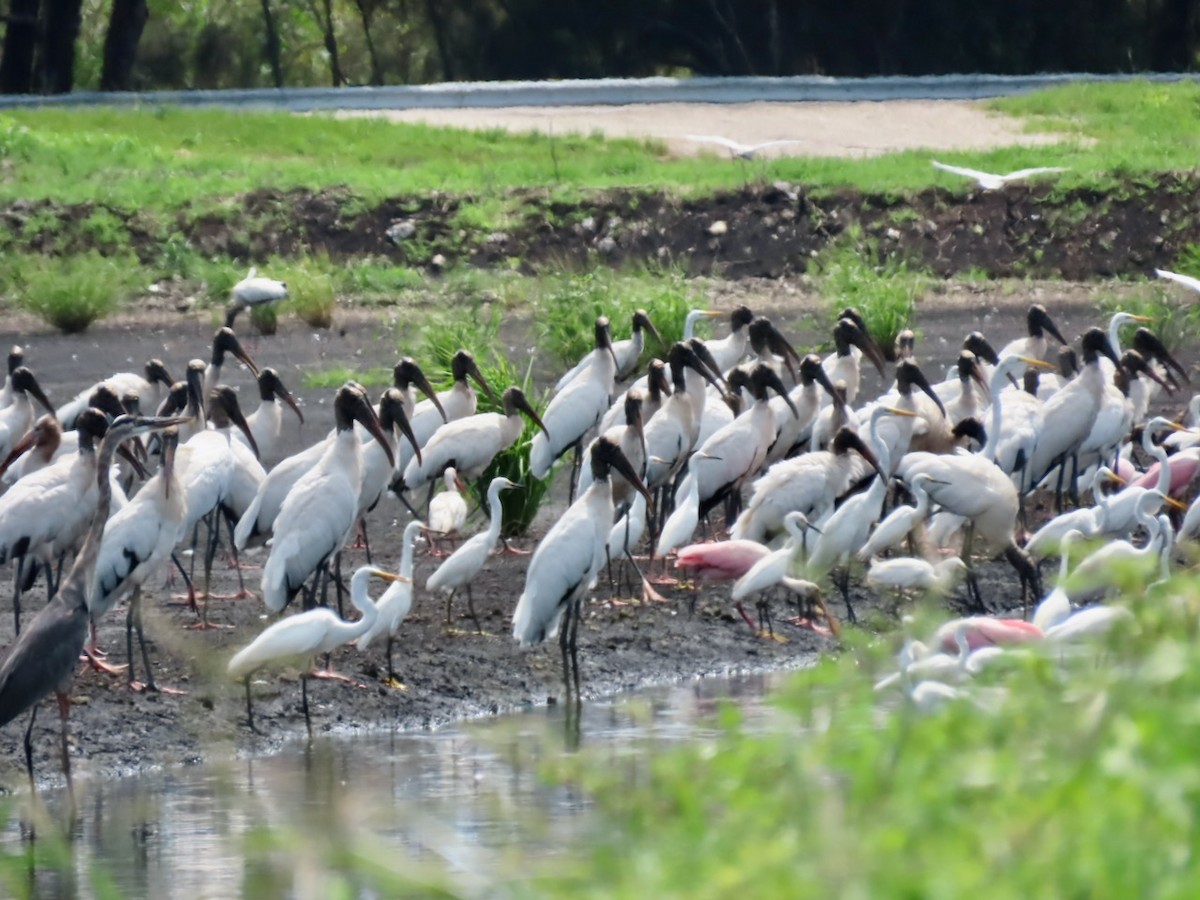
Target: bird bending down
column 568, row 559
column 461, row 567
column 252, row 291
column 306, row 635
column 448, row 510
column 44, row 657
column 989, row 181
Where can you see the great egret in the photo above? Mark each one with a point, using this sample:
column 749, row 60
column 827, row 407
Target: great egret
column 460, row 568
column 448, row 510
column 396, row 603
column 306, row 635
column 736, row 149
column 912, row 574
column 989, row 181
column 773, row 569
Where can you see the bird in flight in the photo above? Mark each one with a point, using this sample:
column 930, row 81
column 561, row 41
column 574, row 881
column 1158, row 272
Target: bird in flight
column 736, row 150
column 1186, row 280
column 991, row 182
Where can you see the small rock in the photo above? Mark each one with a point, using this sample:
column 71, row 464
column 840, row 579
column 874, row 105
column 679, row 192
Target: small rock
column 401, row 230
column 607, row 246
column 438, row 262
column 892, row 234
column 718, row 228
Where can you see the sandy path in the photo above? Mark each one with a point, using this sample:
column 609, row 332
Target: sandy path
column 819, row 129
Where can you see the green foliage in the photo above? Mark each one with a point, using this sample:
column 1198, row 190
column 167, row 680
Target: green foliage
column 1173, row 317
column 884, row 293
column 478, row 330
column 69, row 293
column 311, row 295
column 567, row 307
column 334, row 377
column 1065, row 773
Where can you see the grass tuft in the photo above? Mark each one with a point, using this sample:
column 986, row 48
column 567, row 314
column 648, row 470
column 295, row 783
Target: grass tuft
column 69, row 293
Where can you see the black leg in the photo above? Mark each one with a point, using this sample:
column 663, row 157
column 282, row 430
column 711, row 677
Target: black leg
column 187, row 580
column 29, row 748
column 237, row 563
column 249, row 706
column 577, row 614
column 366, row 540
column 130, row 674
column 337, row 579
column 304, row 703
column 471, row 609
column 564, row 640
column 136, row 604
column 449, row 598
column 17, row 596
column 391, row 670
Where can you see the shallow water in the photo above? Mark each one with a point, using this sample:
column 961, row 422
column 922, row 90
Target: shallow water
column 461, row 807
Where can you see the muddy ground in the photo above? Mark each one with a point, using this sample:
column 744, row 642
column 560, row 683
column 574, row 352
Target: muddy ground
column 448, row 674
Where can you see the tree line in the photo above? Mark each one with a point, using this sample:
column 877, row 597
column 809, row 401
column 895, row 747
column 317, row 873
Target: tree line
column 55, row 46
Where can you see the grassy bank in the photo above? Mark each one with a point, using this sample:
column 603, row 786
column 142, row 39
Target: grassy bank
column 159, row 160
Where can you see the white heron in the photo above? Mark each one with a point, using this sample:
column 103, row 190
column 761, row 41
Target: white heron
column 773, row 569
column 1086, row 520
column 900, row 522
column 912, row 574
column 567, row 561
column 470, row 444
column 990, row 181
column 1120, row 514
column 576, row 410
column 396, row 603
column 319, row 512
column 460, row 567
column 738, row 150
column 307, row 635
column 1092, row 577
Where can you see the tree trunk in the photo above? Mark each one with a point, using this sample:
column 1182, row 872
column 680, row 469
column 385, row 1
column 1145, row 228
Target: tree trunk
column 56, row 65
column 442, row 39
column 365, row 13
column 20, row 41
column 271, row 44
column 335, row 64
column 125, row 26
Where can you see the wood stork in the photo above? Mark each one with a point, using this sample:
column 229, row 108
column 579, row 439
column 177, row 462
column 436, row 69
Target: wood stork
column 1038, row 323
column 45, row 655
column 448, row 510
column 899, row 523
column 318, row 514
column 16, row 359
column 1069, row 414
column 810, row 484
column 973, row 395
column 773, row 569
column 225, row 341
column 440, row 408
column 671, row 433
column 137, row 544
column 307, row 635
column 17, row 419
column 737, row 451
column 266, row 422
column 985, row 354
column 771, row 348
column 843, row 365
column 396, row 603
column 568, row 559
column 576, row 410
column 1153, row 351
column 974, row 487
column 470, row 444
column 51, row 443
column 654, row 388
column 257, row 522
column 461, row 567
column 252, row 291
column 151, row 386
column 47, row 513
column 845, row 532
column 217, row 474
column 805, row 398
column 1116, row 415
column 631, row 438
column 729, row 350
column 927, row 413
column 627, row 352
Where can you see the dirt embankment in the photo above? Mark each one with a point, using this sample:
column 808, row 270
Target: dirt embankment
column 766, row 231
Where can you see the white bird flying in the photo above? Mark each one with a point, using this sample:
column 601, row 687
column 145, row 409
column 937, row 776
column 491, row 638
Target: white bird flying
column 736, row 149
column 992, row 182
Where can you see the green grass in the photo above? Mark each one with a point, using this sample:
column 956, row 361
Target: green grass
column 477, row 328
column 71, row 292
column 333, row 378
column 1066, row 774
column 886, row 293
column 157, row 160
